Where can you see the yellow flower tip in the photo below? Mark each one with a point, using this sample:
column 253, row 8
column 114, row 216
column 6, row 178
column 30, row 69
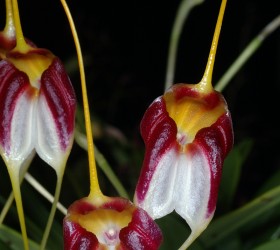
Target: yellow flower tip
column 205, row 85
column 97, row 197
column 9, row 29
column 13, row 29
column 22, row 46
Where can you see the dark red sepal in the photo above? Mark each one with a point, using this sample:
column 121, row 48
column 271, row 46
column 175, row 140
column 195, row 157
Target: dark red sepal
column 141, row 232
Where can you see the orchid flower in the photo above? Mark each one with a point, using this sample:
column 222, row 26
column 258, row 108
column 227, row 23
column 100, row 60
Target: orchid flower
column 37, row 110
column 187, row 133
column 98, row 221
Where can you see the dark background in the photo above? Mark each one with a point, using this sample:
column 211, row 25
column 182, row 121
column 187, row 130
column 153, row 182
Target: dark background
column 125, row 44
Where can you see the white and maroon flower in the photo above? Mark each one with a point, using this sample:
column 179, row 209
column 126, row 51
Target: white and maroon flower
column 187, row 133
column 109, row 223
column 187, row 136
column 37, row 109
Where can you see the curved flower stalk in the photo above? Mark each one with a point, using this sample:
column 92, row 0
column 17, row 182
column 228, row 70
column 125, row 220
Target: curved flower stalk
column 37, row 110
column 98, row 221
column 188, row 133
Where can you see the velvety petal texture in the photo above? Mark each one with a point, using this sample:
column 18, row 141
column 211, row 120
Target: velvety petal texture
column 109, row 223
column 37, row 108
column 187, row 136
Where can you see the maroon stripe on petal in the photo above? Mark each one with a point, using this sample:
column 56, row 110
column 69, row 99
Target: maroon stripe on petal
column 216, row 142
column 181, row 90
column 141, row 233
column 59, row 93
column 77, row 238
column 118, row 204
column 81, row 206
column 153, row 115
column 12, row 84
column 224, row 124
column 159, row 134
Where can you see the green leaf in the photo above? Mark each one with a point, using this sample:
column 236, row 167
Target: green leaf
column 231, row 173
column 36, row 213
column 4, row 246
column 271, row 245
column 12, row 240
column 36, row 218
column 173, row 239
column 272, row 182
column 223, row 227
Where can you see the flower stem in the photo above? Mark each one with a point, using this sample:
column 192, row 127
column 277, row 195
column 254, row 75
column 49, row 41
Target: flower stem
column 205, row 84
column 14, row 176
column 23, row 171
column 80, row 138
column 94, row 184
column 21, row 45
column 53, row 209
column 9, row 29
column 192, row 237
column 107, row 170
